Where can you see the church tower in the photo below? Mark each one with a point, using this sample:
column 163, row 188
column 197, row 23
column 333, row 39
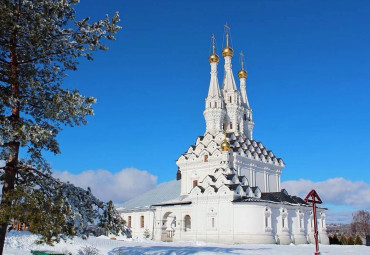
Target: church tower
column 248, row 122
column 232, row 122
column 214, row 112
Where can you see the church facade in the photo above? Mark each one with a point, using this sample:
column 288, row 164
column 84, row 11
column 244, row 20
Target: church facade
column 228, row 184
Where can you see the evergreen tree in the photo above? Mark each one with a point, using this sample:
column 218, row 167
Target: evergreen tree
column 343, row 240
column 40, row 41
column 335, row 239
column 112, row 222
column 358, row 240
column 350, row 241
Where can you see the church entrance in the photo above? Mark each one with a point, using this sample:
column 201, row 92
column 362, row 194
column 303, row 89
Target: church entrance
column 168, row 227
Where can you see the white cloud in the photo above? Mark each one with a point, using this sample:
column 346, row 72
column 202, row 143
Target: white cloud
column 118, row 187
column 337, row 191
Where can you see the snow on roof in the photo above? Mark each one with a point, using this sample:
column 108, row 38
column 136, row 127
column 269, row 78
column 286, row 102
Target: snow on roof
column 162, row 193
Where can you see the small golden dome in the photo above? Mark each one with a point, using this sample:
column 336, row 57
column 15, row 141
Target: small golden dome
column 225, row 146
column 227, row 52
column 213, row 58
column 242, row 74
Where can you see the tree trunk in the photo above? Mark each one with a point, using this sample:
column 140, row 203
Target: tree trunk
column 12, row 163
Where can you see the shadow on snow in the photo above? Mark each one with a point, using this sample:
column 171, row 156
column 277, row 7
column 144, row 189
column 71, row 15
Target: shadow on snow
column 178, row 250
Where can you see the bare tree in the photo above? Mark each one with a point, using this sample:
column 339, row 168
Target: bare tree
column 361, row 223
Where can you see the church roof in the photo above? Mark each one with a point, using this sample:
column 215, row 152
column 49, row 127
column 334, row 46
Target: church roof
column 168, row 191
column 250, row 148
column 277, row 197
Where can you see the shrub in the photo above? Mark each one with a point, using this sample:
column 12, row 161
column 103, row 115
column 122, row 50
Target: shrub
column 88, row 250
column 358, row 240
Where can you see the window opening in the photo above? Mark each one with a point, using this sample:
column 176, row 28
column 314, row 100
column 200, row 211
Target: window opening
column 142, row 221
column 205, row 158
column 195, row 183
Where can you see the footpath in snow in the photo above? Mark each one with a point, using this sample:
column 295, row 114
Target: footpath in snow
column 18, row 243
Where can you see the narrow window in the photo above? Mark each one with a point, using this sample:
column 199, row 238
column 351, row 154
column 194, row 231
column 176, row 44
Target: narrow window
column 283, row 222
column 187, row 223
column 213, row 222
column 210, row 104
column 142, row 221
column 215, row 104
column 129, row 221
column 231, row 125
column 205, row 158
column 245, row 117
column 230, row 100
column 195, row 183
column 266, row 222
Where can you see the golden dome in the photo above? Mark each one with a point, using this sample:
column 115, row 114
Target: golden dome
column 227, row 52
column 242, row 74
column 225, row 146
column 213, row 58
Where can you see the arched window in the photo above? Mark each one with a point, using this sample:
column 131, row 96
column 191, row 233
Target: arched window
column 187, row 224
column 231, row 125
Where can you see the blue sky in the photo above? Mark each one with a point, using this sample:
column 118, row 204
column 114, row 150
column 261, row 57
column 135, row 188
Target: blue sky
column 308, row 85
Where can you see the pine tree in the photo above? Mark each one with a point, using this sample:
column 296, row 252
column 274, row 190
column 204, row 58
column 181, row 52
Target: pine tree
column 40, row 41
column 111, row 221
column 358, row 240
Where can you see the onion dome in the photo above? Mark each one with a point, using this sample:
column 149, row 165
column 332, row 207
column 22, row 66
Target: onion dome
column 242, row 74
column 213, row 58
column 225, row 146
column 227, row 52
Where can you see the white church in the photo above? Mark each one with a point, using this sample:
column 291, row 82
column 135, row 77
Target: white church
column 228, row 185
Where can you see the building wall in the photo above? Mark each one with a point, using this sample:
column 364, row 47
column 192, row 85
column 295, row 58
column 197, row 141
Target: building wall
column 136, row 228
column 218, row 220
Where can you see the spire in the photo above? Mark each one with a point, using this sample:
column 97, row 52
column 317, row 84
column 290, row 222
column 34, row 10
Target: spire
column 243, row 78
column 229, row 81
column 214, row 88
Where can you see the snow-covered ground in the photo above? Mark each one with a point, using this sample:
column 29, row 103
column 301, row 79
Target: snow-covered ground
column 21, row 243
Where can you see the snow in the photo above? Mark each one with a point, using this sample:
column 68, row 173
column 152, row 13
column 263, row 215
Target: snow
column 164, row 192
column 18, row 243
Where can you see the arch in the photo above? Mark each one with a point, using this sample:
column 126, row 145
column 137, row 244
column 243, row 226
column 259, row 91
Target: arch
column 187, row 223
column 168, row 226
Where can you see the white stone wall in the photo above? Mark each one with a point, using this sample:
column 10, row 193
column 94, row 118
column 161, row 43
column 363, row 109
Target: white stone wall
column 136, row 228
column 215, row 219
